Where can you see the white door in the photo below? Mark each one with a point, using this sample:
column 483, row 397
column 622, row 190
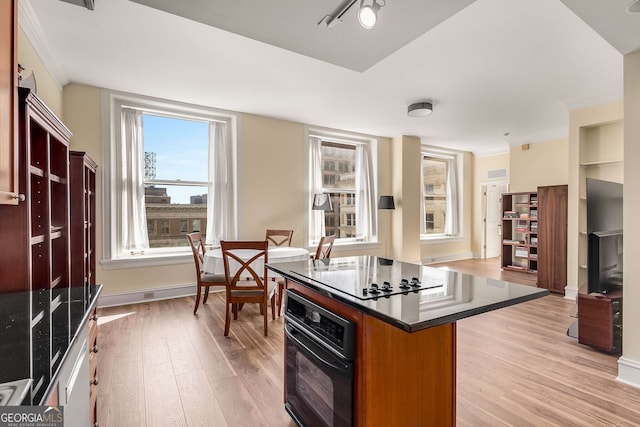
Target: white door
column 493, row 219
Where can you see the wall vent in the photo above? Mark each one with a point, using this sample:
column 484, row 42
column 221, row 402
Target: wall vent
column 497, row 173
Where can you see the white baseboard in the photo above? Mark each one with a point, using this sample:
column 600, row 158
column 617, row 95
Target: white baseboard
column 447, row 258
column 571, row 293
column 628, row 372
column 146, row 295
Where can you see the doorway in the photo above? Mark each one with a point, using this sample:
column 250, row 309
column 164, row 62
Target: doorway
column 492, row 218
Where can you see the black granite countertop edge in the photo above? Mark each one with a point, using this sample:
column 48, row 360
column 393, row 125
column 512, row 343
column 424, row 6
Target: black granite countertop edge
column 350, row 301
column 475, row 311
column 85, row 318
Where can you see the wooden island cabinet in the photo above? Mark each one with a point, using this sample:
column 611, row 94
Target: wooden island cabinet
column 399, row 369
column 402, row 319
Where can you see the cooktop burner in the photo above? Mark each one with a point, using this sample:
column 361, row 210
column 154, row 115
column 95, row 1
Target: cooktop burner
column 370, row 277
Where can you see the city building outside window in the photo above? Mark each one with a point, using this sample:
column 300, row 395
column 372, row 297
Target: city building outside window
column 439, row 195
column 342, row 167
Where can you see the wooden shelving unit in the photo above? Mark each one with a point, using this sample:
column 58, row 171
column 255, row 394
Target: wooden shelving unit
column 38, row 257
column 520, row 232
column 82, row 187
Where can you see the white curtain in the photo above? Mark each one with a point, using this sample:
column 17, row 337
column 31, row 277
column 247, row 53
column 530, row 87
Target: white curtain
column 134, row 217
column 423, row 193
column 316, row 218
column 221, row 222
column 365, row 201
column 451, row 221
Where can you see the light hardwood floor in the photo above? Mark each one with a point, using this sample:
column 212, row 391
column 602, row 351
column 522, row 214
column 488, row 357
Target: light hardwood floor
column 162, row 366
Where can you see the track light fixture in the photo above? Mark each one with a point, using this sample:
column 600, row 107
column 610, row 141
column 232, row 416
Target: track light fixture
column 368, row 14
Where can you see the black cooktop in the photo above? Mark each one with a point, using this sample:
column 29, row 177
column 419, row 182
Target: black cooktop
column 370, row 277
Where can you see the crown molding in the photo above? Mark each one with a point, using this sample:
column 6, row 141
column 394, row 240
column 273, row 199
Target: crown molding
column 591, row 101
column 549, row 135
column 30, row 24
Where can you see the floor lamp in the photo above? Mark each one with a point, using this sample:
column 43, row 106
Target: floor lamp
column 386, row 203
column 322, row 202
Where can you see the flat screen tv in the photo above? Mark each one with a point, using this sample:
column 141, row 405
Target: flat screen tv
column 605, row 261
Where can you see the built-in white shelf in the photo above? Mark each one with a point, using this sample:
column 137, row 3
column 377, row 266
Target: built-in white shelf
column 601, row 162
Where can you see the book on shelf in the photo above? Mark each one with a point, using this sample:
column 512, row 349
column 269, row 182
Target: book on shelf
column 511, row 214
column 521, row 252
column 516, row 267
column 512, row 241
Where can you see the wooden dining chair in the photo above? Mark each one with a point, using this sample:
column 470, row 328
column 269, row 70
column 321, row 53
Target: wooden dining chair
column 279, row 237
column 204, row 280
column 239, row 290
column 324, row 247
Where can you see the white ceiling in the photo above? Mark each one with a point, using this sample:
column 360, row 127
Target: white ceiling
column 494, row 67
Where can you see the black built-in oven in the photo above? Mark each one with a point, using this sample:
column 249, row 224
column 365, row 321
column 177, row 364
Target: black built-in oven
column 320, row 350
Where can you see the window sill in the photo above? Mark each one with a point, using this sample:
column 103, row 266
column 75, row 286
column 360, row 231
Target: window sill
column 147, row 260
column 351, row 246
column 440, row 239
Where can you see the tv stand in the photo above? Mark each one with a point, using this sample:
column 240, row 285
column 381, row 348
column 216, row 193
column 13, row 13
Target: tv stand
column 600, row 321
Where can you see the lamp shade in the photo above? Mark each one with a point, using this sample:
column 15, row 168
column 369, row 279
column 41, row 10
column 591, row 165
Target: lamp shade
column 321, row 202
column 386, row 202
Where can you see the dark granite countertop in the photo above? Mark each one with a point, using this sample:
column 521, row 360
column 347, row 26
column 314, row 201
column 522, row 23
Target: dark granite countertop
column 446, row 296
column 36, row 330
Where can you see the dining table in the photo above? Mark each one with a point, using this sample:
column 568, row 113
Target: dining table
column 213, row 262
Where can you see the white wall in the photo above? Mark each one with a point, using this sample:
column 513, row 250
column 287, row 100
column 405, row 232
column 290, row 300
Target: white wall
column 629, row 364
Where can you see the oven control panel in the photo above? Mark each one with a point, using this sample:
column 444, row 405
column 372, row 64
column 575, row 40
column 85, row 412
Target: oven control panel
column 334, row 331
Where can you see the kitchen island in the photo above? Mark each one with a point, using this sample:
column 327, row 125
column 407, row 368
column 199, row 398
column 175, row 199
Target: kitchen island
column 404, row 321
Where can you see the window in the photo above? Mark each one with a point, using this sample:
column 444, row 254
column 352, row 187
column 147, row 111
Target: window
column 162, row 169
column 429, row 221
column 435, row 200
column 175, row 175
column 440, row 203
column 349, row 199
column 341, row 166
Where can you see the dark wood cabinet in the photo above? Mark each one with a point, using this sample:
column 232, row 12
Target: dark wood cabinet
column 552, row 238
column 37, row 257
column 82, row 193
column 8, row 102
column 600, row 321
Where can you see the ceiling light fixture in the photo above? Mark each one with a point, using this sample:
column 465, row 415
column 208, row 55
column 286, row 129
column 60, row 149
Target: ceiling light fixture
column 368, row 14
column 634, row 7
column 420, row 109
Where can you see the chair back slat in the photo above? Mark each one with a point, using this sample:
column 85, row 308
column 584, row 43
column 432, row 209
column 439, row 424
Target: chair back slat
column 244, row 267
column 279, row 237
column 324, row 247
column 197, row 248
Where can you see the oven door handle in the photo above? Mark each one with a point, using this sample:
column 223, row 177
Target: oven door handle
column 316, row 352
